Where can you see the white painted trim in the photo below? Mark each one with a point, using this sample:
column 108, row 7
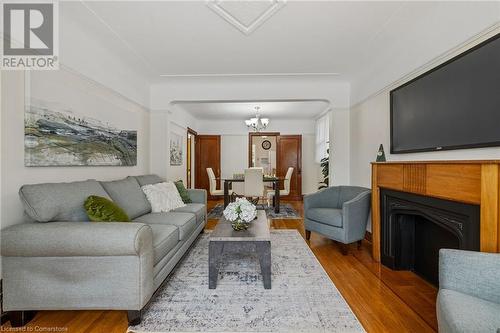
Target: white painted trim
column 257, row 22
column 102, row 86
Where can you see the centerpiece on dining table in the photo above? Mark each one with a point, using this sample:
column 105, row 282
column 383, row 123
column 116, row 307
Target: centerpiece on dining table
column 240, row 213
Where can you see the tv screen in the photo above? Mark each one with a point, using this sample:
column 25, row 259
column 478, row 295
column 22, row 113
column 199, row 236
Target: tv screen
column 455, row 105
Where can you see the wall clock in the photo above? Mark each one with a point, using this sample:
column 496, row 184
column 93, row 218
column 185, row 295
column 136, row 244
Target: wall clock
column 266, row 144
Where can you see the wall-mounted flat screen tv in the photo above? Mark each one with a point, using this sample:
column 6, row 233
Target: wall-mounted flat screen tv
column 453, row 106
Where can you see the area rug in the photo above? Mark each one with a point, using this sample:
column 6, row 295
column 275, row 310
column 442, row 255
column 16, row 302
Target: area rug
column 286, row 211
column 302, row 298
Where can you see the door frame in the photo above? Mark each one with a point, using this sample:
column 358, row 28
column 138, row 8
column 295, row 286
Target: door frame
column 252, row 134
column 202, row 173
column 192, row 154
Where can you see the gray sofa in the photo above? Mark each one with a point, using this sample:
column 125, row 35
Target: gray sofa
column 60, row 261
column 339, row 212
column 469, row 292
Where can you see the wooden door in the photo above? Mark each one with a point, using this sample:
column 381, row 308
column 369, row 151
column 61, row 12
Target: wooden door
column 290, row 155
column 207, row 156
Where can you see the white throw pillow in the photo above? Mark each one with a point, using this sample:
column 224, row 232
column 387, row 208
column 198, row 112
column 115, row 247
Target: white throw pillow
column 163, row 197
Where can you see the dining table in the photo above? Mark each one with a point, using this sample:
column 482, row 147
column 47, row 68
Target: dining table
column 267, row 179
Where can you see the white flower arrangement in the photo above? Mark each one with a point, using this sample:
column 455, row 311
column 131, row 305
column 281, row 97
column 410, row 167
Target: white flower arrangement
column 240, row 213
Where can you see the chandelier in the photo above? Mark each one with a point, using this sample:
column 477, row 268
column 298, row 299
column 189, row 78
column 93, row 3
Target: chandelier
column 257, row 124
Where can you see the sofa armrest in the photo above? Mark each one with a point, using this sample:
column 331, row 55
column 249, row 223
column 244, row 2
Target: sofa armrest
column 472, row 273
column 355, row 214
column 198, row 196
column 69, row 239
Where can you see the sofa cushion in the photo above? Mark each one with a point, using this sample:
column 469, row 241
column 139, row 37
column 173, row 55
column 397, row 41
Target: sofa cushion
column 186, row 222
column 149, row 179
column 165, row 238
column 459, row 312
column 194, row 208
column 127, row 194
column 59, row 201
column 330, row 216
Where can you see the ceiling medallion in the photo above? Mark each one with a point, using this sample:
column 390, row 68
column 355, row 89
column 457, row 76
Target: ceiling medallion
column 238, row 22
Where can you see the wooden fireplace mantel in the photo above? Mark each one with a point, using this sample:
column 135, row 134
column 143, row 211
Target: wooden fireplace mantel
column 474, row 182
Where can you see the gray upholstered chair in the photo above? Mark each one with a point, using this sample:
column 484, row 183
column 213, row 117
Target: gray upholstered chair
column 339, row 213
column 469, row 291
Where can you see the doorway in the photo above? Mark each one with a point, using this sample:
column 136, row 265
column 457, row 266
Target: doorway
column 275, row 153
column 190, row 158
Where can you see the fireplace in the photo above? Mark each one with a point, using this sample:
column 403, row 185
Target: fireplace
column 415, row 227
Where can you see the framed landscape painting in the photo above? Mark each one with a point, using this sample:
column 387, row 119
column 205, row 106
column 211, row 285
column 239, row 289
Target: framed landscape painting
column 61, row 130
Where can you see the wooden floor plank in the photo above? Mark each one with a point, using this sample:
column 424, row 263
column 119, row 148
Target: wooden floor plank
column 382, row 299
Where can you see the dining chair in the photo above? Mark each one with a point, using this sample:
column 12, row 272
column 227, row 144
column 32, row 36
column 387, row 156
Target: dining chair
column 285, row 191
column 238, row 187
column 254, row 184
column 213, row 184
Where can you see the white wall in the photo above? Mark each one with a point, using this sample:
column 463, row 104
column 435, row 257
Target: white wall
column 370, row 126
column 81, row 51
column 14, row 173
column 261, row 88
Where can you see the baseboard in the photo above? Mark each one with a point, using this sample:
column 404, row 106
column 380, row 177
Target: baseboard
column 368, row 236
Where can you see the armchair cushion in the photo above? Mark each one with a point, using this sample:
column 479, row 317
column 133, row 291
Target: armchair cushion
column 472, row 273
column 330, row 216
column 458, row 312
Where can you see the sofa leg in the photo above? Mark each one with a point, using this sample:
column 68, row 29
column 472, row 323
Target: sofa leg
column 360, row 242
column 344, row 248
column 20, row 318
column 134, row 317
column 308, row 234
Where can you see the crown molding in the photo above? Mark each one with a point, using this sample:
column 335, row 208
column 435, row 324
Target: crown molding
column 249, row 74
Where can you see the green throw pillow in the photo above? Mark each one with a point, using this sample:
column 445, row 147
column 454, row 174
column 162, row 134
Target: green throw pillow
column 183, row 192
column 100, row 209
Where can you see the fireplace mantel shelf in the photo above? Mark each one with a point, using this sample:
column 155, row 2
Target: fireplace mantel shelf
column 468, row 181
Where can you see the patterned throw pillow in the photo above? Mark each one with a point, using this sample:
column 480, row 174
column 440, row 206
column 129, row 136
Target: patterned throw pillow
column 183, row 192
column 163, row 197
column 100, row 209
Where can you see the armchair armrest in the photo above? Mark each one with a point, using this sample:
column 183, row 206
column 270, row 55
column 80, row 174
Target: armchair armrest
column 67, row 239
column 473, row 273
column 198, row 196
column 355, row 214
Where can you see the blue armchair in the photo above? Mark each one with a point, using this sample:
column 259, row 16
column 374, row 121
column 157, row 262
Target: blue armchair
column 340, row 213
column 469, row 291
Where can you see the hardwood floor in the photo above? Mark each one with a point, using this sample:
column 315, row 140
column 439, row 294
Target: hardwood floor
column 382, row 299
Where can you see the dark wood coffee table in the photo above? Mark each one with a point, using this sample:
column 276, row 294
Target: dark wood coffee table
column 256, row 238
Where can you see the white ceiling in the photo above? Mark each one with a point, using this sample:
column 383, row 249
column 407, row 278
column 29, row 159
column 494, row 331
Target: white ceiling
column 296, row 109
column 367, row 43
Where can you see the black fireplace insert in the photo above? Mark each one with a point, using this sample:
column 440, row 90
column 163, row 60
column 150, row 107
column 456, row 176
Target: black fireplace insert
column 415, row 227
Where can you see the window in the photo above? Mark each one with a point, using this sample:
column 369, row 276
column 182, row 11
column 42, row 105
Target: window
column 322, row 137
